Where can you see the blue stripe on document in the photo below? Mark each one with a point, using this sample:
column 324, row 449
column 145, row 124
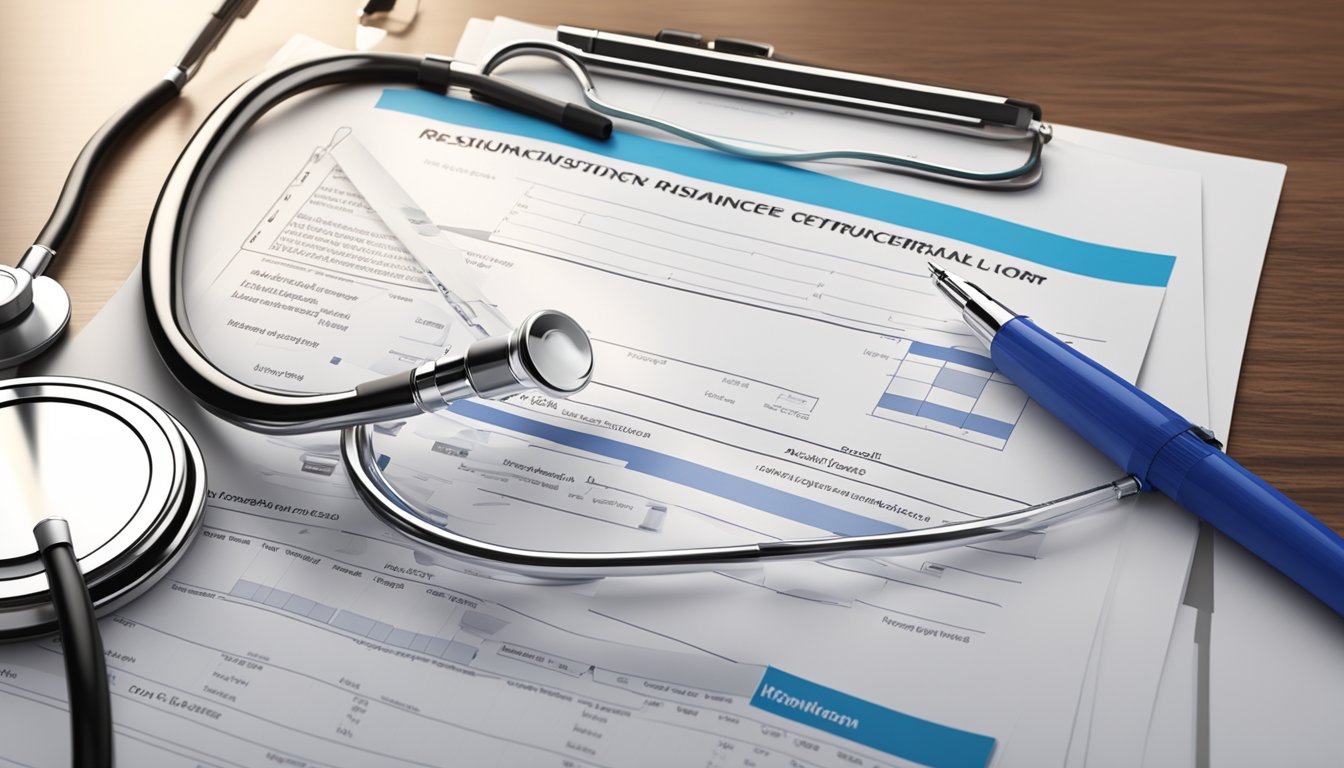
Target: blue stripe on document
column 866, row 723
column 968, row 384
column 958, row 356
column 682, row 472
column 987, row 426
column 1090, row 259
column 941, row 413
column 950, row 416
column 899, row 403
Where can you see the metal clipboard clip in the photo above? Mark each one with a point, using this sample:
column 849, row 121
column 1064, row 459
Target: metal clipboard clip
column 753, row 72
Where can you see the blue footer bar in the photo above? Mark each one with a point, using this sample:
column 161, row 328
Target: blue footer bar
column 866, row 723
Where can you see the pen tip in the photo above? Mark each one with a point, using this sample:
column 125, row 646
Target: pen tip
column 934, row 270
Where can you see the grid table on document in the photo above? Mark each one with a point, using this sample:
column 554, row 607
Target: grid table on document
column 955, row 392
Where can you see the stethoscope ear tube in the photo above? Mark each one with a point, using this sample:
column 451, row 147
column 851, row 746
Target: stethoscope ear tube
column 383, row 499
column 95, row 152
column 34, row 308
column 570, row 116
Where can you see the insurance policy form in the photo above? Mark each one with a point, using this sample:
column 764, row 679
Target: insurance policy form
column 758, row 376
column 1159, row 539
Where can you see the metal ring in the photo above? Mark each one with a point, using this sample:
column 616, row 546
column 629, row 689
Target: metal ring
column 152, row 538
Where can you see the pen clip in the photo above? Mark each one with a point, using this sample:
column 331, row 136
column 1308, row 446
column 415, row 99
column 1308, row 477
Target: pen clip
column 1206, row 434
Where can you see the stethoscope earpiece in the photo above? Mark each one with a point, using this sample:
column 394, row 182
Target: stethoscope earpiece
column 34, row 311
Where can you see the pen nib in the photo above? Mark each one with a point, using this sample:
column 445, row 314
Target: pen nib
column 949, row 286
column 978, row 309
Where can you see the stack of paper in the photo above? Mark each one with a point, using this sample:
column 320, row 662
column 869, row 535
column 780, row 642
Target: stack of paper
column 771, row 364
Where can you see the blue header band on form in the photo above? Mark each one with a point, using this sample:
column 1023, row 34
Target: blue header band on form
column 1083, row 258
column 866, row 723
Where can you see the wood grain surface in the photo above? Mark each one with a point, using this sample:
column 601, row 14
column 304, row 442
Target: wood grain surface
column 1243, row 77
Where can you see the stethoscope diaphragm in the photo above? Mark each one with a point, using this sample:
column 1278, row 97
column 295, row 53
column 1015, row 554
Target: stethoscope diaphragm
column 33, row 313
column 125, row 475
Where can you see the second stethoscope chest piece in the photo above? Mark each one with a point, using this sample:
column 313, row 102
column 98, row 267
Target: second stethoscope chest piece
column 33, row 312
column 124, row 474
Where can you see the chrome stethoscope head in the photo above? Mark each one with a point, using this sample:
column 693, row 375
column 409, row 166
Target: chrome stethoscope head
column 34, row 309
column 548, row 351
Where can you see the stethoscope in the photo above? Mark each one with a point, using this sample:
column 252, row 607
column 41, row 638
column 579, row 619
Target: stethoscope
column 548, row 351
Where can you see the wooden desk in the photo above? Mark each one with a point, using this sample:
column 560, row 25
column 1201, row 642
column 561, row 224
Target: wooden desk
column 1235, row 76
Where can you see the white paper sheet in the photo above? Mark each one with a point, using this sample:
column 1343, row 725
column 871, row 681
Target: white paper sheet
column 1276, row 683
column 1171, row 736
column 1240, row 197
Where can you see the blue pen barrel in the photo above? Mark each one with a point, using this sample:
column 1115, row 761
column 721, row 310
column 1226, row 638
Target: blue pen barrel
column 1155, row 444
column 1117, row 418
column 1209, row 483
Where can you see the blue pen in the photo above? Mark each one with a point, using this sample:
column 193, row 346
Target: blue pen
column 1162, row 450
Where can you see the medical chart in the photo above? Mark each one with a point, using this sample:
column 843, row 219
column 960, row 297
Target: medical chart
column 771, row 362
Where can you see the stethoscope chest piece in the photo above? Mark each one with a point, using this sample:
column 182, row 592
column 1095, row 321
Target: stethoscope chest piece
column 125, row 475
column 33, row 313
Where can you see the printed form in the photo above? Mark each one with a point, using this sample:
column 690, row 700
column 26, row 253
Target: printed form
column 770, row 363
column 1159, row 539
